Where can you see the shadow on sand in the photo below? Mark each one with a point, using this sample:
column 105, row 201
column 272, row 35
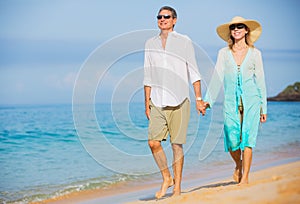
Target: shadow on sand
column 152, row 197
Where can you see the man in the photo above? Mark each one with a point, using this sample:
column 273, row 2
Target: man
column 169, row 66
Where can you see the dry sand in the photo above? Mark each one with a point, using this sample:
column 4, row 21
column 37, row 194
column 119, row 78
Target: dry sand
column 280, row 184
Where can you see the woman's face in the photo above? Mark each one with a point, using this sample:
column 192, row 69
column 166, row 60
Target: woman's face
column 238, row 31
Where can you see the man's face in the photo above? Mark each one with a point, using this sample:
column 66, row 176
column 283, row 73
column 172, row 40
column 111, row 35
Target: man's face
column 165, row 20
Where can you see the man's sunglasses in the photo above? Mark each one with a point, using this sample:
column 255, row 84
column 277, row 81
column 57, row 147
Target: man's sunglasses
column 238, row 26
column 161, row 16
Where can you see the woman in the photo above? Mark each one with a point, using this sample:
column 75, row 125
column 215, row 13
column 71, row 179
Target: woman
column 239, row 68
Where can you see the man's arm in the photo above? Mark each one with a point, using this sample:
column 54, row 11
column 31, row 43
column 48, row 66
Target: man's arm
column 147, row 91
column 200, row 104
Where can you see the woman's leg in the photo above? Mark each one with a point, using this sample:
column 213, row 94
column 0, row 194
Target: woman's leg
column 236, row 156
column 247, row 160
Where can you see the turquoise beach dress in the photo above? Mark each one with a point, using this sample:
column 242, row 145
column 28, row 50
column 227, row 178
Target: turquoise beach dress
column 247, row 83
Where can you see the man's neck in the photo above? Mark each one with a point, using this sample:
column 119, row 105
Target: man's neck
column 164, row 33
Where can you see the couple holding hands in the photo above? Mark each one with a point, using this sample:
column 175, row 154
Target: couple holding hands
column 169, row 67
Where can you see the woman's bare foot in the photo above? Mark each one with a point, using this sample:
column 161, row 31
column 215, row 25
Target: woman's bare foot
column 244, row 181
column 176, row 193
column 167, row 183
column 237, row 174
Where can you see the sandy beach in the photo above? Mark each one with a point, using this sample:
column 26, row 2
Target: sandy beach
column 278, row 184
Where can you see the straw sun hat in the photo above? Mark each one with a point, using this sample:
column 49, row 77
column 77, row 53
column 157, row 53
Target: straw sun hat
column 254, row 26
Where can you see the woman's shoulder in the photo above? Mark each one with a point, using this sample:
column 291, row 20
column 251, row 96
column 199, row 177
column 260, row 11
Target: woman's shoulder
column 256, row 51
column 224, row 50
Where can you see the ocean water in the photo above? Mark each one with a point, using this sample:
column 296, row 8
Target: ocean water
column 50, row 150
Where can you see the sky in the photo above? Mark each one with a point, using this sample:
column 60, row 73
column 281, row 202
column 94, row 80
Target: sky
column 45, row 43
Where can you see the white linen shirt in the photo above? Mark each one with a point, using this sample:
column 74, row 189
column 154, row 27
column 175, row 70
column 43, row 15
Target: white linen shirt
column 168, row 71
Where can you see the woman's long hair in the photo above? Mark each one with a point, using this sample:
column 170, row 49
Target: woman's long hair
column 247, row 39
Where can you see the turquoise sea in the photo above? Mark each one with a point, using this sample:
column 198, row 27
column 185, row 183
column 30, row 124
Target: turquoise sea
column 50, row 150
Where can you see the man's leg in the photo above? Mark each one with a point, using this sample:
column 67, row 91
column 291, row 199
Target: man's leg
column 178, row 125
column 161, row 161
column 178, row 159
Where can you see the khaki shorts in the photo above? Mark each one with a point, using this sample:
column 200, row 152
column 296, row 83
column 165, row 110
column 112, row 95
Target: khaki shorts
column 169, row 120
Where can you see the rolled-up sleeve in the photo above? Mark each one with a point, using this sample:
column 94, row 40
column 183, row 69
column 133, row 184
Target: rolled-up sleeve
column 192, row 66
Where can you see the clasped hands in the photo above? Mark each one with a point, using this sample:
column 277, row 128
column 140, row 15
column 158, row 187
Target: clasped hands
column 201, row 107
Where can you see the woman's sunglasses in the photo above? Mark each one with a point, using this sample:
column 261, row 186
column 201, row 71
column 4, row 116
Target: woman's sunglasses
column 238, row 26
column 161, row 16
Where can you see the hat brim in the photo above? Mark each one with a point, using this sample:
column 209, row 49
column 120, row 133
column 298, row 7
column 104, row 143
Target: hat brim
column 255, row 29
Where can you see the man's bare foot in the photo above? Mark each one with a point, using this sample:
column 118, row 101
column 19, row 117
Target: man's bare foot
column 167, row 183
column 237, row 174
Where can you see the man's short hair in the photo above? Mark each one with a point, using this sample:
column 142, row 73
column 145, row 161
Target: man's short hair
column 173, row 11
